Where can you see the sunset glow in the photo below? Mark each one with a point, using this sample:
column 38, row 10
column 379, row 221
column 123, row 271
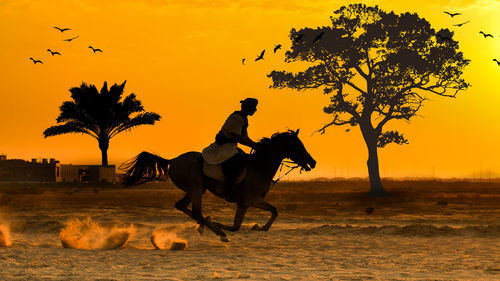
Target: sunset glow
column 183, row 61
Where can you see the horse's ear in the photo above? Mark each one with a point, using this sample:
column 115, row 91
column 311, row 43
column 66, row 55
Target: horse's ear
column 297, row 132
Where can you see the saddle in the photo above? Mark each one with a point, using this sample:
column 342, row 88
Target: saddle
column 215, row 172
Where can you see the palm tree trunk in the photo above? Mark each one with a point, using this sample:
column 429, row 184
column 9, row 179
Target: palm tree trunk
column 376, row 188
column 103, row 146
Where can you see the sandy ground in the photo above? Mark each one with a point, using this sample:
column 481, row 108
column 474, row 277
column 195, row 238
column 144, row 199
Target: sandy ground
column 425, row 231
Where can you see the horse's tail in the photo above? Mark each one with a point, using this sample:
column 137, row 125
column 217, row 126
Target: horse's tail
column 143, row 168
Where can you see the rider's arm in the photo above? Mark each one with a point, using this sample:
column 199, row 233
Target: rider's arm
column 233, row 127
column 243, row 140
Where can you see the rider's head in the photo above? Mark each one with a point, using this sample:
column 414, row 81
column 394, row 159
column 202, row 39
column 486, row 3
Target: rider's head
column 249, row 106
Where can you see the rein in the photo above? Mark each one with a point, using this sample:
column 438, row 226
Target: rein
column 284, row 163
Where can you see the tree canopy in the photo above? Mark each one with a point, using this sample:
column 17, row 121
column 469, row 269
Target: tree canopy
column 377, row 66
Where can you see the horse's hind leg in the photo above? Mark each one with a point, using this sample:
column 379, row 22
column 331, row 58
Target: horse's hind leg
column 198, row 216
column 238, row 218
column 261, row 204
column 182, row 204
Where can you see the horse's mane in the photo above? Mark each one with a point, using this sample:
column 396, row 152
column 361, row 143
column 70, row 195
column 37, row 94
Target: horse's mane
column 265, row 143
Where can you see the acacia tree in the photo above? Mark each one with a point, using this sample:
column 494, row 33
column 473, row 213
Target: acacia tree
column 377, row 67
column 101, row 115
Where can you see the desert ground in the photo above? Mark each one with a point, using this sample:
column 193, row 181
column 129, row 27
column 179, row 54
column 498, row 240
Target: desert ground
column 427, row 230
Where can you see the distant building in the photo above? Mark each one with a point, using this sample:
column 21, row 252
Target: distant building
column 88, row 173
column 50, row 170
column 20, row 170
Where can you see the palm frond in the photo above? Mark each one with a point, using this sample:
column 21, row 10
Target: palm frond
column 132, row 104
column 68, row 127
column 116, row 92
column 147, row 118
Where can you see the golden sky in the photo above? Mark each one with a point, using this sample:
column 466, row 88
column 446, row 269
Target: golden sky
column 183, row 60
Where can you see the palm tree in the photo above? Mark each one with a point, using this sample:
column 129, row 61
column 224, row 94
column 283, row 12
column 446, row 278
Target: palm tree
column 100, row 114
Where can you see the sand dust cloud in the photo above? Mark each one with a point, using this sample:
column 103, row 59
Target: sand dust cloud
column 89, row 235
column 5, row 240
column 164, row 239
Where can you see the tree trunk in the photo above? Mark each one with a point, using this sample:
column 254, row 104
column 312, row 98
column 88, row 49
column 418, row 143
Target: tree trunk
column 376, row 188
column 103, row 146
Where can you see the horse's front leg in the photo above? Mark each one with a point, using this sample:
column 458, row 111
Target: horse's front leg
column 238, row 219
column 259, row 203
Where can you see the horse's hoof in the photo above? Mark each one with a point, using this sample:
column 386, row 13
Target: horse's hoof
column 255, row 227
column 224, row 239
column 201, row 228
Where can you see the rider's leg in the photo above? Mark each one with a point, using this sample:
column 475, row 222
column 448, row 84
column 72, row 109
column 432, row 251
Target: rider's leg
column 231, row 169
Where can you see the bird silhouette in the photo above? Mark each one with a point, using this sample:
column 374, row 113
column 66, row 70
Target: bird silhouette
column 460, row 24
column 53, row 53
column 444, row 38
column 61, row 29
column 318, row 37
column 95, row 49
column 277, row 47
column 261, row 56
column 498, row 62
column 299, row 38
column 452, row 14
column 36, row 61
column 486, row 34
column 71, row 39
column 243, row 61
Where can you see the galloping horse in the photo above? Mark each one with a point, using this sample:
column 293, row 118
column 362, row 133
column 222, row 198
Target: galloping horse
column 186, row 172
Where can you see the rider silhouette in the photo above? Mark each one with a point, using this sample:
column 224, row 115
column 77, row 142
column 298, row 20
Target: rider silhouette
column 225, row 150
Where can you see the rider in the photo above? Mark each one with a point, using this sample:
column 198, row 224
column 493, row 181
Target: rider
column 225, row 150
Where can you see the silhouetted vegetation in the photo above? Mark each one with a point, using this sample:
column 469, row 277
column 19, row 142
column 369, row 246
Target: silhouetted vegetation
column 376, row 66
column 100, row 114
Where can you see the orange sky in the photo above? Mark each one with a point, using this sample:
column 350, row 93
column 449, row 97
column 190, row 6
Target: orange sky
column 183, row 60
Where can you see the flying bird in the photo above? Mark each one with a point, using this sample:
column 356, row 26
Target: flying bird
column 95, row 49
column 299, row 38
column 452, row 14
column 444, row 38
column 261, row 56
column 36, row 61
column 70, row 39
column 53, row 53
column 243, row 61
column 61, row 29
column 486, row 35
column 460, row 24
column 498, row 62
column 318, row 37
column 277, row 47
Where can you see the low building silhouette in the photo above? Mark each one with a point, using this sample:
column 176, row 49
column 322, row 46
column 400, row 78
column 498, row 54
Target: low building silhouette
column 88, row 173
column 50, row 170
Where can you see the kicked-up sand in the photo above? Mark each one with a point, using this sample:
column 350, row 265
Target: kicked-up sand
column 326, row 230
column 5, row 240
column 88, row 235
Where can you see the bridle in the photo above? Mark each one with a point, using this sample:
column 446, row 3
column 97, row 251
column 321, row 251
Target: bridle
column 285, row 163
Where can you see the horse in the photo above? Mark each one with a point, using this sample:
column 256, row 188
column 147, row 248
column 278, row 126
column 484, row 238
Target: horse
column 186, row 172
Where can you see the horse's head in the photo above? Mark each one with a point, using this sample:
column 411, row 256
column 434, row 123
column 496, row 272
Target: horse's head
column 294, row 149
